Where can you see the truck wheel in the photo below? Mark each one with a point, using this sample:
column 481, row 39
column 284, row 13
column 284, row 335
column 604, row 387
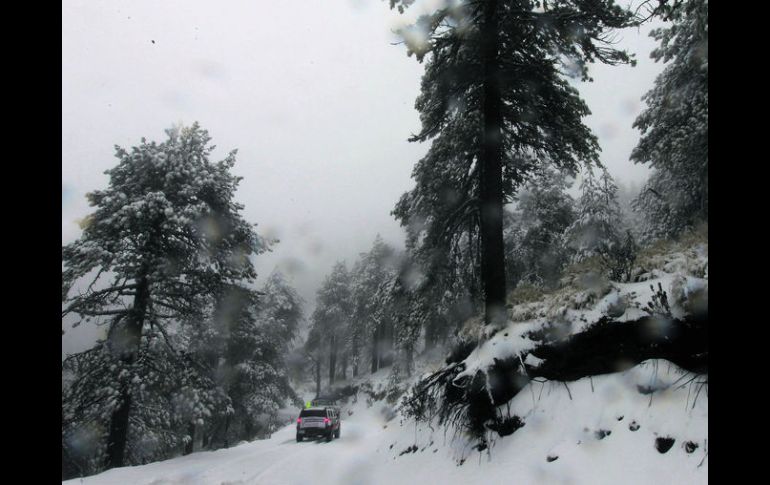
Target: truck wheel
column 330, row 436
column 337, row 434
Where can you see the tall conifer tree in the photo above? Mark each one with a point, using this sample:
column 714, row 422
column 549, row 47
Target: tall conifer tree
column 165, row 241
column 496, row 104
column 674, row 125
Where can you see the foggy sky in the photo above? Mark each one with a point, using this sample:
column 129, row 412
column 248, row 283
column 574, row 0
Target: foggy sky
column 314, row 96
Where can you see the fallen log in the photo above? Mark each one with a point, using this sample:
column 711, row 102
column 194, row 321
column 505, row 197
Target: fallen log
column 610, row 346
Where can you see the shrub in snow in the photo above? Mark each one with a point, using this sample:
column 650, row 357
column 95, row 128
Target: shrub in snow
column 524, row 293
column 687, row 255
column 618, row 258
column 658, row 305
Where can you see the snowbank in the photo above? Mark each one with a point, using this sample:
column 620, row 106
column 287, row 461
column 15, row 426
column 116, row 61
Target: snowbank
column 593, row 431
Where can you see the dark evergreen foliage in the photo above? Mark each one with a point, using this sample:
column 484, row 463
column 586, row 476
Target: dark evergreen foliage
column 535, row 252
column 164, row 264
column 674, row 125
column 496, row 102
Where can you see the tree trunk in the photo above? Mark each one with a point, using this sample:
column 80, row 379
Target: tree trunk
column 227, row 432
column 206, row 440
column 318, row 377
column 343, row 366
column 491, row 174
column 124, row 342
column 190, row 445
column 248, row 430
column 375, row 349
column 430, row 334
column 387, row 345
column 704, row 195
column 356, row 357
column 118, row 434
column 409, row 360
column 332, row 358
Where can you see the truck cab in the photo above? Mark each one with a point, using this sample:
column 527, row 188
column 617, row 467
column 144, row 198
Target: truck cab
column 323, row 421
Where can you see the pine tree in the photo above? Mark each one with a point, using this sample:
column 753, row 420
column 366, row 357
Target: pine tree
column 407, row 310
column 545, row 211
column 165, row 239
column 257, row 333
column 674, row 125
column 369, row 327
column 281, row 310
column 600, row 230
column 314, row 352
column 332, row 315
column 497, row 105
column 599, row 223
column 279, row 319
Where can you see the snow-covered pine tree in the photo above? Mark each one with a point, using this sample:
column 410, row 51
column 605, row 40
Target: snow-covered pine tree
column 173, row 394
column 165, row 239
column 599, row 223
column 450, row 290
column 674, row 125
column 545, row 211
column 251, row 368
column 279, row 318
column 496, row 103
column 314, row 353
column 385, row 303
column 371, row 329
column 600, row 230
column 627, row 193
column 406, row 309
column 331, row 318
column 280, row 310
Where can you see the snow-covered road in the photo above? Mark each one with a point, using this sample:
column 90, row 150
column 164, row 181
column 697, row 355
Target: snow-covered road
column 278, row 460
column 603, row 430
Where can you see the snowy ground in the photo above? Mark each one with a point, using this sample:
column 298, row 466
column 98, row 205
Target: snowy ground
column 605, row 433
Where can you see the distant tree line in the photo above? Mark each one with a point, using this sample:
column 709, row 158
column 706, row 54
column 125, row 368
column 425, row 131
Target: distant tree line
column 375, row 315
column 390, row 306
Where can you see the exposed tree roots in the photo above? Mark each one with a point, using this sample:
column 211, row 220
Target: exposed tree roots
column 607, row 346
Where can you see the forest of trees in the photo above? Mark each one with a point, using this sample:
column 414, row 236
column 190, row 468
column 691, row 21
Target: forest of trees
column 507, row 128
column 196, row 352
column 491, row 211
